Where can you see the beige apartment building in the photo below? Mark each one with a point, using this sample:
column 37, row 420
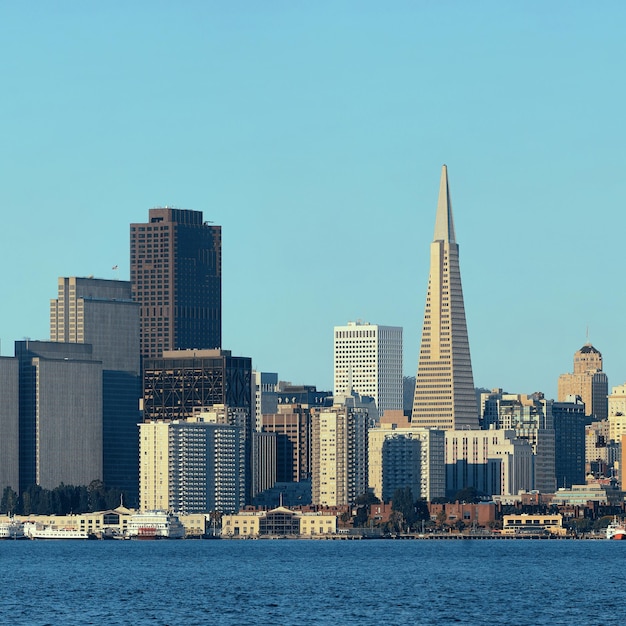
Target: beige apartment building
column 401, row 455
column 339, row 451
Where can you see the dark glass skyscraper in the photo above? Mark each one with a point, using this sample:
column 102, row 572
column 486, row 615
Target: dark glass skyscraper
column 176, row 276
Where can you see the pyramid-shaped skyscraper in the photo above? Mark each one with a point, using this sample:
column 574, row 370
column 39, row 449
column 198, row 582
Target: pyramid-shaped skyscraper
column 444, row 387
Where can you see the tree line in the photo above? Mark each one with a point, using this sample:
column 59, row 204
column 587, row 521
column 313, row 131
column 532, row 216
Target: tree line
column 62, row 500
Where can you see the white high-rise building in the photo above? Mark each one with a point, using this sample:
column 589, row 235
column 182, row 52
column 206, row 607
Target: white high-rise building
column 368, row 359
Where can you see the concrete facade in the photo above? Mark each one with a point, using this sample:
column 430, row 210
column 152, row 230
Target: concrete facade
column 368, row 359
column 9, row 423
column 60, row 414
column 101, row 313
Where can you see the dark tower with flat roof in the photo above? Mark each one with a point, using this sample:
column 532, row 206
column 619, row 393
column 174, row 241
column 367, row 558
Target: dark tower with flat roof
column 176, row 277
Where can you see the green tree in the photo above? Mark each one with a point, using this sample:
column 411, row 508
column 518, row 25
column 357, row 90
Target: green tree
column 468, row 494
column 10, row 501
column 403, row 502
column 367, row 498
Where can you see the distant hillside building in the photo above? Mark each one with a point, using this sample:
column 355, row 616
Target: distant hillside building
column 587, row 381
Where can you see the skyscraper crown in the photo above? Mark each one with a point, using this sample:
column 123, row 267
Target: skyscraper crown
column 444, row 222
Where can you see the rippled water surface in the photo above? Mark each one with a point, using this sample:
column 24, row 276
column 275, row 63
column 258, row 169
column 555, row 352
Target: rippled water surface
column 313, row 582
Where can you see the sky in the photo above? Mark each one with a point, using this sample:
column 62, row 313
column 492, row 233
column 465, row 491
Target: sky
column 314, row 133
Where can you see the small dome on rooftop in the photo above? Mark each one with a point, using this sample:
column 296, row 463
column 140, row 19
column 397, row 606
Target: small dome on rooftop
column 589, row 349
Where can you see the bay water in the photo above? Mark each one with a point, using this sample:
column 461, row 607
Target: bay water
column 291, row 582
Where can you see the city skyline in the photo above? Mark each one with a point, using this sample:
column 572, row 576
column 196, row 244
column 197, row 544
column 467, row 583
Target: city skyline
column 333, row 145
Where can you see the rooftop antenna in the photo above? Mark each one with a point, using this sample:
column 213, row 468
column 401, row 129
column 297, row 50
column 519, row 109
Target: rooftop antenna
column 116, row 269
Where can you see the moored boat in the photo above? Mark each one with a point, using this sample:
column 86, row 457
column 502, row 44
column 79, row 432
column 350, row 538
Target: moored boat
column 616, row 530
column 56, row 532
column 155, row 525
column 12, row 530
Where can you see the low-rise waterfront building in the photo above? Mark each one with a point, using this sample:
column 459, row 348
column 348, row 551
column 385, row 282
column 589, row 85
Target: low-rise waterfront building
column 533, row 525
column 280, row 522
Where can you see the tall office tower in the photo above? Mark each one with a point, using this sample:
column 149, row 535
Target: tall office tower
column 191, row 466
column 569, row 441
column 60, row 414
column 495, row 462
column 444, row 387
column 291, row 425
column 588, row 381
column 392, row 445
column 9, row 423
column 339, row 452
column 368, row 359
column 176, row 276
column 102, row 313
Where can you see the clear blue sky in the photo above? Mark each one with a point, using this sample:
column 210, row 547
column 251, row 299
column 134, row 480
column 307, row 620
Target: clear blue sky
column 314, row 133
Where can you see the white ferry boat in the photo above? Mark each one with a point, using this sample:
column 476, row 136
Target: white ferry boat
column 12, row 529
column 37, row 531
column 155, row 525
